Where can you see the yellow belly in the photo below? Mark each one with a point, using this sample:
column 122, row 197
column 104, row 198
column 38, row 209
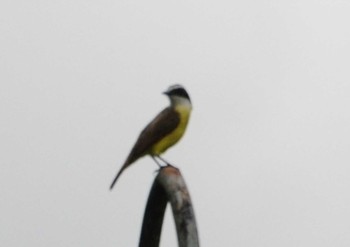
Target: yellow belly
column 175, row 135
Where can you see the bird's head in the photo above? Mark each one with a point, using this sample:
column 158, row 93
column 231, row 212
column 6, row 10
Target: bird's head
column 178, row 95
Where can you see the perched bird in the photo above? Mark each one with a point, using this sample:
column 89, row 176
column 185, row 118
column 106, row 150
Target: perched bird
column 164, row 131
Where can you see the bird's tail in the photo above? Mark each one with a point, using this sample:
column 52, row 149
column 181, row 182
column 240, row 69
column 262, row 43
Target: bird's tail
column 116, row 178
column 126, row 164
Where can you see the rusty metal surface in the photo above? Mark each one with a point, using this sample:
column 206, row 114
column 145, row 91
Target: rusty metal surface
column 169, row 185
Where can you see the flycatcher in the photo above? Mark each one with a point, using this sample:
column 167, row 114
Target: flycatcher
column 164, row 131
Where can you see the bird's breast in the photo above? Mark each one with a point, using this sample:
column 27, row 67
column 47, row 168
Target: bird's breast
column 174, row 136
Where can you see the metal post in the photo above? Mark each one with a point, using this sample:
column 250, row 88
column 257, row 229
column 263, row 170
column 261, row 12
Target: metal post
column 169, row 186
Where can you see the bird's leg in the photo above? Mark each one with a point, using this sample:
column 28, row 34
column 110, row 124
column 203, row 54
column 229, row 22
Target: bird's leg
column 166, row 162
column 155, row 160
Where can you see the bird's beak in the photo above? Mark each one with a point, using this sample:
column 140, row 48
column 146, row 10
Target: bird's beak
column 166, row 92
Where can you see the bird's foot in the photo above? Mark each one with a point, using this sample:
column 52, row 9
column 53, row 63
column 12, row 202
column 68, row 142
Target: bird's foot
column 172, row 166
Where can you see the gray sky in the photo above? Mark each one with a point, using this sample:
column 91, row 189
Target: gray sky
column 266, row 155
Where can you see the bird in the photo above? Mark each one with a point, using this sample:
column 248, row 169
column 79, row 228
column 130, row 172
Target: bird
column 165, row 130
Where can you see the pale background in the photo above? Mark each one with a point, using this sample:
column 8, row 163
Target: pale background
column 266, row 155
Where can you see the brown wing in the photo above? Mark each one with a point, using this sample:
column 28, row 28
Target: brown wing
column 163, row 124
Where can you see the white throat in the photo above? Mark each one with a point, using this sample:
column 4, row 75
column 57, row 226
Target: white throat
column 177, row 101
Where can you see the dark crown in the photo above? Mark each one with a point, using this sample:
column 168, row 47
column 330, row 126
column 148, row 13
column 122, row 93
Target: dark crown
column 177, row 90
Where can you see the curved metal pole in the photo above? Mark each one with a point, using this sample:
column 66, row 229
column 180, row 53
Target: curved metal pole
column 169, row 185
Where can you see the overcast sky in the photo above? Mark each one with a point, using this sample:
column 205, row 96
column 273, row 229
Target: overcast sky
column 266, row 154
